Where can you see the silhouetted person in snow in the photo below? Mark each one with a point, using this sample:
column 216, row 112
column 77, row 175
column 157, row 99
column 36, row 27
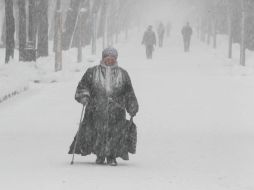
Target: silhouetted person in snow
column 107, row 92
column 161, row 32
column 186, row 33
column 149, row 40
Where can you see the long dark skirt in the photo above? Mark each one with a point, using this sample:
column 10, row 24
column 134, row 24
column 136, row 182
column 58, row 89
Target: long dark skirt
column 106, row 140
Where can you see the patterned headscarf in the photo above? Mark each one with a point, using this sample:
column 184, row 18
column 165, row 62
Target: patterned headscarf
column 109, row 51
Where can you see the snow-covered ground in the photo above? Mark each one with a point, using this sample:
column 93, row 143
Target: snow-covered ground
column 195, row 126
column 16, row 76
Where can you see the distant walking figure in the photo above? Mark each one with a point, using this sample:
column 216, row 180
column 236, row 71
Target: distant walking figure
column 187, row 32
column 149, row 40
column 107, row 92
column 161, row 32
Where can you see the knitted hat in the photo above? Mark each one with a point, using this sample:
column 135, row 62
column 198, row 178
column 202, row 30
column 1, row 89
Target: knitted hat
column 110, row 51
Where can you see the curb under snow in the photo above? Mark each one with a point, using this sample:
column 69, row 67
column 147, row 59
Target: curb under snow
column 16, row 76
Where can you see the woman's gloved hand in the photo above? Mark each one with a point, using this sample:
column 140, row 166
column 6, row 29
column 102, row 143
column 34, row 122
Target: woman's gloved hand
column 84, row 101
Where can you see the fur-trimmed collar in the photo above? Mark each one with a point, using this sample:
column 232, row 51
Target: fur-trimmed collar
column 109, row 66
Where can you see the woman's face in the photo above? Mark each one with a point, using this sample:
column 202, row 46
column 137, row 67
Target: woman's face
column 109, row 60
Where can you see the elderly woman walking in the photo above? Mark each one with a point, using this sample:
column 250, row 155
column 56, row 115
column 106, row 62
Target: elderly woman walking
column 107, row 93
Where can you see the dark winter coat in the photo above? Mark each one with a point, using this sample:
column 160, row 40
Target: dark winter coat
column 149, row 38
column 187, row 32
column 105, row 130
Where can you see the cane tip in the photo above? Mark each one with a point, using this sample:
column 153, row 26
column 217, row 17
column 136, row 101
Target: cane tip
column 72, row 162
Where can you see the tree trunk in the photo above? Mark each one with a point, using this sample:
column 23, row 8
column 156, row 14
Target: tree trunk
column 242, row 53
column 32, row 23
column 30, row 52
column 2, row 25
column 52, row 18
column 203, row 30
column 70, row 24
column 58, row 41
column 198, row 28
column 10, row 30
column 94, row 35
column 16, row 16
column 116, row 31
column 3, row 36
column 230, row 37
column 42, row 47
column 79, row 33
column 106, row 36
column 103, row 23
column 22, row 29
column 214, row 33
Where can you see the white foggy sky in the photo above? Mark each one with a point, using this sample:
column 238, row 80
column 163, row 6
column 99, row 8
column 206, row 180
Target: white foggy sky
column 177, row 12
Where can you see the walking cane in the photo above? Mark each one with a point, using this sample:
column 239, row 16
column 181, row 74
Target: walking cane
column 77, row 136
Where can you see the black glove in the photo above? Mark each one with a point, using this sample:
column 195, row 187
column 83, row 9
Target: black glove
column 133, row 114
column 133, row 109
column 84, row 101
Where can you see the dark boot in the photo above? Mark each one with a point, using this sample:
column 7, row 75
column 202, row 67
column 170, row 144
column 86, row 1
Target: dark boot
column 111, row 161
column 100, row 160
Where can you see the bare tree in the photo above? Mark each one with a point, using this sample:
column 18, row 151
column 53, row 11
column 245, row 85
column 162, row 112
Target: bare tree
column 10, row 30
column 42, row 46
column 230, row 37
column 242, row 53
column 22, row 29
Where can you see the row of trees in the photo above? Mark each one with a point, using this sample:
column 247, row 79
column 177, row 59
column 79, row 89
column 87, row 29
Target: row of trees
column 83, row 23
column 232, row 17
column 32, row 30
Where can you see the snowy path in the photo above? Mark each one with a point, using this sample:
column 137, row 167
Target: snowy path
column 195, row 128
